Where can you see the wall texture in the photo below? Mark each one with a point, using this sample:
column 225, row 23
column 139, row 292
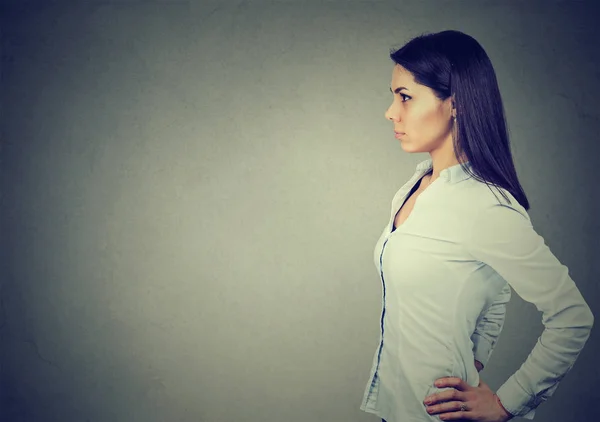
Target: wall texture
column 191, row 193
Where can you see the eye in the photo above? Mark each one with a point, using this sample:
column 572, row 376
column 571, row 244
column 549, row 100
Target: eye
column 404, row 96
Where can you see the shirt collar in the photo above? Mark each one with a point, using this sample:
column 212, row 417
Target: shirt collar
column 452, row 174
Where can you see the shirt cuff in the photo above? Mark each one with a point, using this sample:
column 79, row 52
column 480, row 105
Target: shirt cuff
column 516, row 400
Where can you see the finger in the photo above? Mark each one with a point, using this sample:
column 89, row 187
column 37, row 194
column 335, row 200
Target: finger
column 453, row 382
column 459, row 415
column 451, row 411
column 484, row 385
column 447, row 407
column 448, row 395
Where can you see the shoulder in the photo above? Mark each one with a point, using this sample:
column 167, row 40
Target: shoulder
column 485, row 197
column 497, row 223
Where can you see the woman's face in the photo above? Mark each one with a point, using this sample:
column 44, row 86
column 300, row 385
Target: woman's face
column 423, row 120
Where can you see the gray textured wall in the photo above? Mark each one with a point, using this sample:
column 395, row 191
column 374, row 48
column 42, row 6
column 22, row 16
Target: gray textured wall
column 191, row 194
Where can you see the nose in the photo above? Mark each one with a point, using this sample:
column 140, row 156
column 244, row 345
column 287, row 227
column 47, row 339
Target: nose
column 392, row 113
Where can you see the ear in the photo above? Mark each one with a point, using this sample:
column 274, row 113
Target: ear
column 453, row 103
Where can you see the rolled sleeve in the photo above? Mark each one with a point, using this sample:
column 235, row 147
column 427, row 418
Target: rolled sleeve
column 502, row 237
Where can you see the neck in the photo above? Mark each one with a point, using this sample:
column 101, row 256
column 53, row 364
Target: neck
column 442, row 162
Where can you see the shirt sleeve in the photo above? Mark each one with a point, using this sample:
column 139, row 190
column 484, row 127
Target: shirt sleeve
column 489, row 327
column 502, row 237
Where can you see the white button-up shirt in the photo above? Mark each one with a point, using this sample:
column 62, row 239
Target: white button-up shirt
column 446, row 274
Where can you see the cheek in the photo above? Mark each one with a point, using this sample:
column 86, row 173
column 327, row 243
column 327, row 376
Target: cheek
column 430, row 122
column 418, row 114
column 430, row 117
column 421, row 120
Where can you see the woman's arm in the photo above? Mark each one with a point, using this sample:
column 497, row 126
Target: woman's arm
column 503, row 238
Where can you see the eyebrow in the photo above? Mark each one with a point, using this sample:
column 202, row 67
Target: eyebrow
column 397, row 90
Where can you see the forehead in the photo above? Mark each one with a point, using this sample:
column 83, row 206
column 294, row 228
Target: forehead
column 402, row 77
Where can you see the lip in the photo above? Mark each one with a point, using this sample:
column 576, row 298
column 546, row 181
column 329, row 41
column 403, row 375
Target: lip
column 398, row 134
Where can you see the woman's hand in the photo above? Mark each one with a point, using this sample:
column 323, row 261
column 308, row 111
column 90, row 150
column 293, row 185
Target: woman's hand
column 481, row 402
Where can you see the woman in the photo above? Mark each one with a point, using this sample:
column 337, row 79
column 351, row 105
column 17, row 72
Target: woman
column 447, row 265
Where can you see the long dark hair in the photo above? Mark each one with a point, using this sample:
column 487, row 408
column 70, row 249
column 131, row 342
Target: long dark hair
column 452, row 63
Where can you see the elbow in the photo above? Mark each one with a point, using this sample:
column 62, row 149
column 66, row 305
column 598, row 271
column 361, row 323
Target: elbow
column 586, row 319
column 590, row 318
column 581, row 319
